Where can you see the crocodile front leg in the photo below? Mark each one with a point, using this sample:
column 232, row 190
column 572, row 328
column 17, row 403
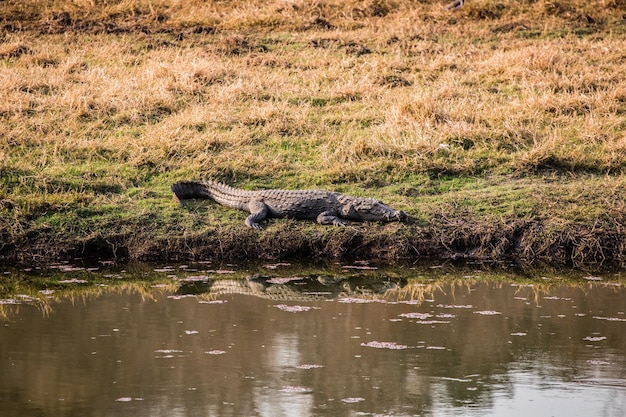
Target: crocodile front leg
column 330, row 218
column 258, row 213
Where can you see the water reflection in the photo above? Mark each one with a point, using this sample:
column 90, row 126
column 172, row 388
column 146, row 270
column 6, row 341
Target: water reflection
column 314, row 344
column 293, row 288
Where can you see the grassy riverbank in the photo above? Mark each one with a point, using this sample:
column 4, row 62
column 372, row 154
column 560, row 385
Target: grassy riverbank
column 500, row 127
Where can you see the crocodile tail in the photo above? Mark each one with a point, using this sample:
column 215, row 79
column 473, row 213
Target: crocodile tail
column 184, row 190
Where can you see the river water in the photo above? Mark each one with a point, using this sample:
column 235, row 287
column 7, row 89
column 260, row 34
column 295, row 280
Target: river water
column 202, row 341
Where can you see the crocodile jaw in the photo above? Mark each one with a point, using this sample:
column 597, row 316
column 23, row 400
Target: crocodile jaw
column 372, row 210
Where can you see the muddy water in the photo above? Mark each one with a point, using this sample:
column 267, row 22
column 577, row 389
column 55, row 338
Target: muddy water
column 290, row 346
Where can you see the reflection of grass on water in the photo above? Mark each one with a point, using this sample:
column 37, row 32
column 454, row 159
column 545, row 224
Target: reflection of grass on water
column 424, row 287
column 43, row 289
column 46, row 289
column 415, row 291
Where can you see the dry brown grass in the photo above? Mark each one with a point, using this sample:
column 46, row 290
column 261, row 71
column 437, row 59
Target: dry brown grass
column 459, row 97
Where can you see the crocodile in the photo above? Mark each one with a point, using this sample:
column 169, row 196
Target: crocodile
column 327, row 207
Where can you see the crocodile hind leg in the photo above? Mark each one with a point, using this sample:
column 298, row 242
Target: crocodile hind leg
column 258, row 213
column 330, row 218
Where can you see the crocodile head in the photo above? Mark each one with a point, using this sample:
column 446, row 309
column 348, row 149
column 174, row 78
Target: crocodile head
column 372, row 210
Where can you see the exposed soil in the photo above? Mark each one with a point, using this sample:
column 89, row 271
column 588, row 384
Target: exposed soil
column 525, row 243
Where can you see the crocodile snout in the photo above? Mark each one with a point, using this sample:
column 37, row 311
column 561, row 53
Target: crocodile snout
column 395, row 216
